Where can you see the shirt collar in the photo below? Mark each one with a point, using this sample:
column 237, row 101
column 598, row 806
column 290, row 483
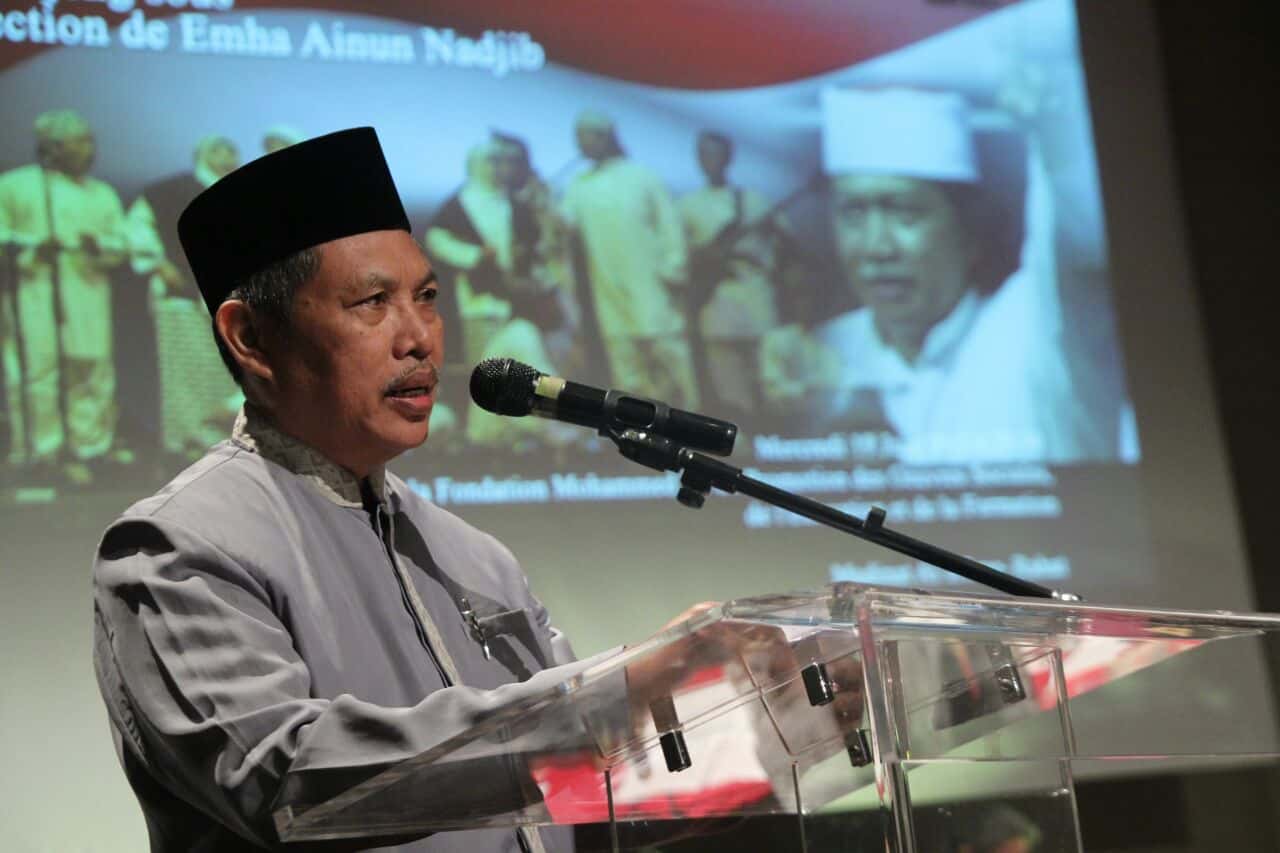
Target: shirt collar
column 604, row 165
column 946, row 335
column 255, row 432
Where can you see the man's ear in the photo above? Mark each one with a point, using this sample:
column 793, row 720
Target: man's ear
column 241, row 332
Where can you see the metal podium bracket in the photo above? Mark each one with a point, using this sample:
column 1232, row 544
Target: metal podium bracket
column 671, row 734
column 818, row 685
column 1008, row 679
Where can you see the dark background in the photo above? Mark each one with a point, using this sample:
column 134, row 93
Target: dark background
column 1220, row 85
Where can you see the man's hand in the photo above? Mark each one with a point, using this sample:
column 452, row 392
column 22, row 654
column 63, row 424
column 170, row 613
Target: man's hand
column 47, row 250
column 103, row 256
column 749, row 657
column 696, row 610
column 658, row 671
column 761, row 649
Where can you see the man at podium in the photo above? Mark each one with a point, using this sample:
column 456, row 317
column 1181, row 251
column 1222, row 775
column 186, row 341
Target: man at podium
column 286, row 604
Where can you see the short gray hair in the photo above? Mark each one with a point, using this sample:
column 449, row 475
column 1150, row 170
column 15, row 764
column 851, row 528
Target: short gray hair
column 269, row 295
column 59, row 124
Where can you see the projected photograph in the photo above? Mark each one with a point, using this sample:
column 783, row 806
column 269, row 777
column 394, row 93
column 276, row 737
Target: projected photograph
column 888, row 250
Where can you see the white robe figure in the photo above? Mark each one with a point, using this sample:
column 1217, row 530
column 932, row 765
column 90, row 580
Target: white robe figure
column 634, row 250
column 81, row 207
column 991, row 381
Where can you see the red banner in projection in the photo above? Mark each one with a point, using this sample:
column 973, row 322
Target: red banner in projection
column 690, row 44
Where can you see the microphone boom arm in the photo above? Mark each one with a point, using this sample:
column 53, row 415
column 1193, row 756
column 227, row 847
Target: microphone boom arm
column 701, row 473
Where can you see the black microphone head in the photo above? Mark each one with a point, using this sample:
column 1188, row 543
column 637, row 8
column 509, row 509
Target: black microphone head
column 503, row 386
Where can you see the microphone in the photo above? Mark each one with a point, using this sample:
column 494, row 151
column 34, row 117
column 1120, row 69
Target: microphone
column 505, row 386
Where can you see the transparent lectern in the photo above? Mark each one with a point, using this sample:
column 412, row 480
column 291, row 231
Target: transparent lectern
column 850, row 719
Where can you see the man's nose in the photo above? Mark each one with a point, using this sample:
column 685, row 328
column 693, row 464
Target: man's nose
column 416, row 336
column 878, row 238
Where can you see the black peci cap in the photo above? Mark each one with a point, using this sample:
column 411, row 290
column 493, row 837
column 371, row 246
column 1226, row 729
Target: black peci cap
column 323, row 189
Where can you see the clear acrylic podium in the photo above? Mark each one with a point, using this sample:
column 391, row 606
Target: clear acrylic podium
column 850, row 719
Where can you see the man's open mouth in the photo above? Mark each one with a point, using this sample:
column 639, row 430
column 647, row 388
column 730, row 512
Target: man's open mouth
column 420, row 383
column 890, row 288
column 415, row 391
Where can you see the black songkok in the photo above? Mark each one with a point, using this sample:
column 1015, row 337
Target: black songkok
column 271, row 208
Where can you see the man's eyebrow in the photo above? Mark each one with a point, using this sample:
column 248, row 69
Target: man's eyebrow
column 376, row 280
column 371, row 282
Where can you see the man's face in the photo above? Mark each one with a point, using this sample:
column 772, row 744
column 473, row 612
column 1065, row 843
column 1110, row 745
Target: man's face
column 593, row 141
column 713, row 156
column 508, row 165
column 73, row 153
column 222, row 158
column 902, row 246
column 355, row 376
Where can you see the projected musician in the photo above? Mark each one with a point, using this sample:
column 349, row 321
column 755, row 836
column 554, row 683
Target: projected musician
column 734, row 240
column 958, row 373
column 61, row 235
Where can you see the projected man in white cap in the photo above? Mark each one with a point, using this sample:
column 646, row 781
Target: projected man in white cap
column 959, row 375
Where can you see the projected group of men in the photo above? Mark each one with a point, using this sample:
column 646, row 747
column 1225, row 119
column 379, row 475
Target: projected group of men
column 712, row 300
column 66, row 242
column 612, row 272
column 709, row 300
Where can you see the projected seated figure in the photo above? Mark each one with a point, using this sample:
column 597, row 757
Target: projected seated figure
column 959, row 375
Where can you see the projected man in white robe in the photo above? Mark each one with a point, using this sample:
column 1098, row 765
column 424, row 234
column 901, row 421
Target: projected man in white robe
column 635, row 259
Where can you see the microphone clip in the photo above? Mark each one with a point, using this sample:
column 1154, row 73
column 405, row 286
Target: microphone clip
column 699, row 472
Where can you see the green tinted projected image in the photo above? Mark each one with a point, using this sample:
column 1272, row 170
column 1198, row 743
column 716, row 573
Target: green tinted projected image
column 859, row 267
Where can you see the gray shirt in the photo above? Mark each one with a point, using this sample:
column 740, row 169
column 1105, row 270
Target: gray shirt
column 266, row 615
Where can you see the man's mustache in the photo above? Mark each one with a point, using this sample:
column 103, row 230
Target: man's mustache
column 414, row 372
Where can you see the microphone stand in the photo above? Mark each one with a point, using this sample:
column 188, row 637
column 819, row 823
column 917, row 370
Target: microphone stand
column 59, row 319
column 9, row 284
column 701, row 473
